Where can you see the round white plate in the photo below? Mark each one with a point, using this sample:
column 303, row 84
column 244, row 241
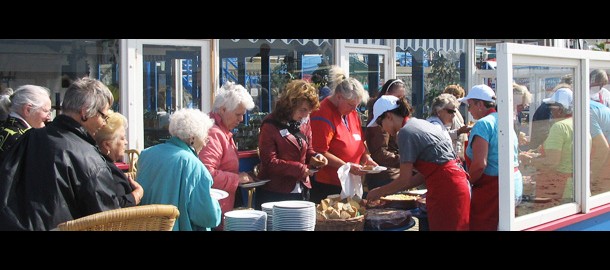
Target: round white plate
column 218, row 194
column 254, row 184
column 376, row 169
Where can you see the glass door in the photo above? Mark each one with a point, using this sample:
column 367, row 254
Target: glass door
column 168, row 75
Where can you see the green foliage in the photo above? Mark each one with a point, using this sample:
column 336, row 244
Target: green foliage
column 444, row 72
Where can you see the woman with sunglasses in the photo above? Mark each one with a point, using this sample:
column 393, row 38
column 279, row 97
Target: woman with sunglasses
column 424, row 148
column 442, row 113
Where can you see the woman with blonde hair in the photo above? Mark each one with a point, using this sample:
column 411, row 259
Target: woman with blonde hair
column 286, row 152
column 111, row 139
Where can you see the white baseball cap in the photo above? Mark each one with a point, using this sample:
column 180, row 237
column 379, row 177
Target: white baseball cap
column 481, row 91
column 562, row 96
column 383, row 104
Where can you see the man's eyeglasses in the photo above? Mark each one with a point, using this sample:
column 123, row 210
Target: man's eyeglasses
column 104, row 116
column 451, row 111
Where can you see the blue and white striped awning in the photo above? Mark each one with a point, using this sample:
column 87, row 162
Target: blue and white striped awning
column 366, row 41
column 318, row 42
column 456, row 45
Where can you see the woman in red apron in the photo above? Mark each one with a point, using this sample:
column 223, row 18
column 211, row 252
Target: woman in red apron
column 424, row 147
column 482, row 159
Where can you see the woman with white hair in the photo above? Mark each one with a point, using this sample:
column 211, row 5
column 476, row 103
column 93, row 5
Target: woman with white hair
column 220, row 154
column 171, row 173
column 28, row 107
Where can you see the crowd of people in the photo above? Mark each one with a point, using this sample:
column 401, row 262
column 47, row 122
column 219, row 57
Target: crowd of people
column 56, row 170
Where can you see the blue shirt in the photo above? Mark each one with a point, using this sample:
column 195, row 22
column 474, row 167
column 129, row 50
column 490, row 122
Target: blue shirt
column 171, row 173
column 600, row 119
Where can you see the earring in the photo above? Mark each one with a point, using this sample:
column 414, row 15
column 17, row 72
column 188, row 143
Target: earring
column 108, row 154
column 83, row 118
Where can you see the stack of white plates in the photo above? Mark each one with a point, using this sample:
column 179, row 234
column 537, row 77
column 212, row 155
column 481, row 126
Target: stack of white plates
column 294, row 216
column 245, row 220
column 268, row 208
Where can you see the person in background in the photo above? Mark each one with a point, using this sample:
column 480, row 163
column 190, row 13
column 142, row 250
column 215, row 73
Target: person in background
column 482, row 158
column 382, row 145
column 5, row 95
column 541, row 120
column 28, row 107
column 598, row 78
column 220, row 153
column 337, row 134
column 424, row 148
column 458, row 130
column 320, row 78
column 111, row 139
column 555, row 165
column 285, row 148
column 443, row 110
column 600, row 148
column 171, row 172
column 57, row 173
column 521, row 100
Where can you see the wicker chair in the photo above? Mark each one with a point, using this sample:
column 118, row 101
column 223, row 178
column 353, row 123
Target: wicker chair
column 132, row 156
column 153, row 217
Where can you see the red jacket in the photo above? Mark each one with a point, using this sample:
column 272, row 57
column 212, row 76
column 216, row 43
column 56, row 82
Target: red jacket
column 283, row 161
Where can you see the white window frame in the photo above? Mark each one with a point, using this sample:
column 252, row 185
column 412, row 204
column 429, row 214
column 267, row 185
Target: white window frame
column 510, row 54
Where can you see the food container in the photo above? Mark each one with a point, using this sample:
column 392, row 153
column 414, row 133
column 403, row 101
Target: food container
column 400, row 201
column 383, row 219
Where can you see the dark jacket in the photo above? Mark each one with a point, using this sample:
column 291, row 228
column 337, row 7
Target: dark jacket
column 383, row 148
column 123, row 187
column 10, row 131
column 52, row 175
column 283, row 160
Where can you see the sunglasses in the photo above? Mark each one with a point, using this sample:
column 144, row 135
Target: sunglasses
column 451, row 111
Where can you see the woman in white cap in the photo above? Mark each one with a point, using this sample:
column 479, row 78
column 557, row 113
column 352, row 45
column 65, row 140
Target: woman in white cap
column 554, row 166
column 424, row 147
column 482, row 159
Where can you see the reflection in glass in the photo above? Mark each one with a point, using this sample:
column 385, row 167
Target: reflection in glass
column 600, row 130
column 546, row 143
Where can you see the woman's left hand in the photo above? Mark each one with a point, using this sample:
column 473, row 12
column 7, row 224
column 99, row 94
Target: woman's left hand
column 138, row 191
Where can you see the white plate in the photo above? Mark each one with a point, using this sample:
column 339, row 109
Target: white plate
column 375, row 170
column 254, row 184
column 416, row 192
column 218, row 194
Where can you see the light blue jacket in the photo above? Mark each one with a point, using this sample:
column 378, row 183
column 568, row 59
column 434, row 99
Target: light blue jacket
column 171, row 173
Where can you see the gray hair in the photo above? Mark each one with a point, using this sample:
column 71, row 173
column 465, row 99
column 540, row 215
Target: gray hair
column 599, row 76
column 23, row 96
column 87, row 93
column 349, row 88
column 230, row 95
column 186, row 123
column 441, row 101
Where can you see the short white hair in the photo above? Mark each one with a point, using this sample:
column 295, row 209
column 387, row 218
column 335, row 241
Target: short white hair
column 186, row 123
column 230, row 95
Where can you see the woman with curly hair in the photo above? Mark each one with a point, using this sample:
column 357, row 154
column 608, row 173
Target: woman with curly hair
column 286, row 153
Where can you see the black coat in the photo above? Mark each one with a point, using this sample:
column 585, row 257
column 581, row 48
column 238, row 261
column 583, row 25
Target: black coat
column 52, row 175
column 123, row 187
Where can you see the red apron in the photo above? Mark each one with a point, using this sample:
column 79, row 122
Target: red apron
column 448, row 197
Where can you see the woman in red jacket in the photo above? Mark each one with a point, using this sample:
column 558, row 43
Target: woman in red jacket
column 285, row 148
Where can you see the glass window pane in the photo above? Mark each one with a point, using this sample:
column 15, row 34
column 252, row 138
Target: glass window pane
column 170, row 82
column 544, row 124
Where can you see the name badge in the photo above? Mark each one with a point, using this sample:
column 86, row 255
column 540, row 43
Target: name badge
column 284, row 132
column 357, row 137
